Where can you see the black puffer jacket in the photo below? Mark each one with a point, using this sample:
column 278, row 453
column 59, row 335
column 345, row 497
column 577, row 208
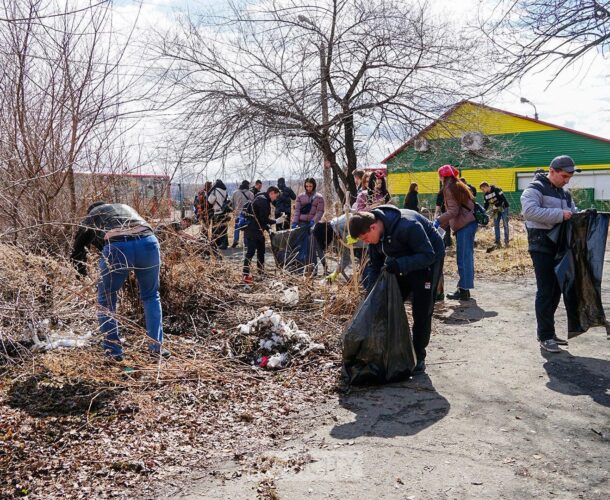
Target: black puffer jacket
column 101, row 219
column 285, row 199
column 409, row 237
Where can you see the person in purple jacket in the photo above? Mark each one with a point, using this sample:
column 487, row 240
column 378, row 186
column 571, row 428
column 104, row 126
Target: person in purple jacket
column 309, row 207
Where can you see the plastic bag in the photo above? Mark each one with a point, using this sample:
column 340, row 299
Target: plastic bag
column 292, row 248
column 377, row 345
column 579, row 270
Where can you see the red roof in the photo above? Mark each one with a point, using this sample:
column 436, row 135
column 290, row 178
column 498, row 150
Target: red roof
column 455, row 106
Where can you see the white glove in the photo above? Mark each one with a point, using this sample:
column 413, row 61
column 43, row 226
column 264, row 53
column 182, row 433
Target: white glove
column 281, row 219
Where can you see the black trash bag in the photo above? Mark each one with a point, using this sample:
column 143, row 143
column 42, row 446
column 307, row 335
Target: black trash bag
column 580, row 263
column 377, row 345
column 292, row 248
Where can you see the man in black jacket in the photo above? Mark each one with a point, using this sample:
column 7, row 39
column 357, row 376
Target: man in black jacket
column 494, row 198
column 127, row 243
column 408, row 245
column 283, row 204
column 258, row 185
column 255, row 230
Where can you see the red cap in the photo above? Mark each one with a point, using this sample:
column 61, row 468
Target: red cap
column 448, row 171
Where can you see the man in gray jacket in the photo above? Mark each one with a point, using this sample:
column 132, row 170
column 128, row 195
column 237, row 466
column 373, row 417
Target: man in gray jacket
column 545, row 204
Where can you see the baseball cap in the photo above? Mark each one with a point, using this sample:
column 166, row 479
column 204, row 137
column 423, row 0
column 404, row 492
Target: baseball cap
column 448, row 171
column 564, row 163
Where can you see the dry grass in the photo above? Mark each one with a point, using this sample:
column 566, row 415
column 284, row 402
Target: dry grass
column 63, row 413
column 502, row 262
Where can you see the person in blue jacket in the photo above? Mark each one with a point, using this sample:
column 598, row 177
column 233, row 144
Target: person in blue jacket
column 409, row 246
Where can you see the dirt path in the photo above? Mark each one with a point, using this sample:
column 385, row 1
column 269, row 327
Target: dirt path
column 492, row 418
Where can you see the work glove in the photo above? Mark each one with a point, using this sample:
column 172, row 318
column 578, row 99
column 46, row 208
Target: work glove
column 350, row 240
column 436, row 223
column 281, row 219
column 294, row 225
column 332, row 276
column 392, row 266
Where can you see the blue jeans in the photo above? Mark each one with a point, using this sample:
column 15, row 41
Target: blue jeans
column 236, row 234
column 464, row 241
column 118, row 258
column 503, row 216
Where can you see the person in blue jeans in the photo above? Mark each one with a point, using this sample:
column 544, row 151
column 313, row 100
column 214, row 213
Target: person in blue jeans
column 495, row 199
column 460, row 218
column 127, row 243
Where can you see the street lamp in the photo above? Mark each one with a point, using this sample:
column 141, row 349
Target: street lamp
column 324, row 102
column 527, row 101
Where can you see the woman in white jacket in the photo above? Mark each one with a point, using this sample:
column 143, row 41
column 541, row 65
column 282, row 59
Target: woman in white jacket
column 221, row 208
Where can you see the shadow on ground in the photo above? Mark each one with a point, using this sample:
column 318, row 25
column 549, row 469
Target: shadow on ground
column 465, row 312
column 578, row 376
column 392, row 410
column 39, row 396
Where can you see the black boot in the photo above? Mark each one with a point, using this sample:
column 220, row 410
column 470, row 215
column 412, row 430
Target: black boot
column 459, row 294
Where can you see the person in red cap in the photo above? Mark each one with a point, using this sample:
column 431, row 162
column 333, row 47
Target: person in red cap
column 460, row 218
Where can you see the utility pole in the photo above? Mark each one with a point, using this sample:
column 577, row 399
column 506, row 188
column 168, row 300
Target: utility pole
column 181, row 200
column 326, row 166
column 328, row 197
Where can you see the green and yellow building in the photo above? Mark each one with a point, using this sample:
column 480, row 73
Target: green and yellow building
column 501, row 148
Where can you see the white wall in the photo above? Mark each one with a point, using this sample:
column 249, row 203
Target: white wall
column 599, row 180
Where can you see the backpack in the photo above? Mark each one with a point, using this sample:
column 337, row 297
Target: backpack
column 227, row 206
column 480, row 215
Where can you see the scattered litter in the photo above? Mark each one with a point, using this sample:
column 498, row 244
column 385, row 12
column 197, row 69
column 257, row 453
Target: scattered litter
column 290, row 296
column 278, row 340
column 54, row 340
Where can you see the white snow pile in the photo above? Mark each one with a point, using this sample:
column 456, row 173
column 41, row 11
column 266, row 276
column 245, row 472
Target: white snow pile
column 278, row 340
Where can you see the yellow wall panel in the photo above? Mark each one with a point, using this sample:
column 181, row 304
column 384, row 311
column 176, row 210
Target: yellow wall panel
column 472, row 118
column 427, row 182
column 505, row 178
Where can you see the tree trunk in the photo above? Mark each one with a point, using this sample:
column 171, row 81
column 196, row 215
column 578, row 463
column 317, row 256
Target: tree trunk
column 350, row 154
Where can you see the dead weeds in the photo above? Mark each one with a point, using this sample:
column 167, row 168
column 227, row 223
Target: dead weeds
column 74, row 425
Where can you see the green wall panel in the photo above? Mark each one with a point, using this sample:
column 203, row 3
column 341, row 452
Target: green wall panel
column 528, row 149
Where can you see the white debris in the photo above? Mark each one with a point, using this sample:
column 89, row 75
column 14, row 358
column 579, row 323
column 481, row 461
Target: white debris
column 282, row 338
column 290, row 296
column 277, row 360
column 56, row 340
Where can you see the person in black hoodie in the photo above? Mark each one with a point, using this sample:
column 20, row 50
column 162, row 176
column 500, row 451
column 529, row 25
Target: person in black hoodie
column 283, row 204
column 255, row 230
column 409, row 246
column 494, row 198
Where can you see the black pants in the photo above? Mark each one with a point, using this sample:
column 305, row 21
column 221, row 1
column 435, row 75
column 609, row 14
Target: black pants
column 548, row 294
column 255, row 244
column 419, row 284
column 447, row 238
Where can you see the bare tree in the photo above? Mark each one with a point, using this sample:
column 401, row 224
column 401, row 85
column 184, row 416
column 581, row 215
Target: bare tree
column 60, row 95
column 542, row 34
column 336, row 74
